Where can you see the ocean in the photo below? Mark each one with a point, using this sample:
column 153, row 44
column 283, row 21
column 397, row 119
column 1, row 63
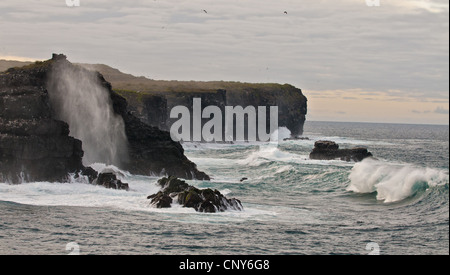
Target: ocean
column 395, row 203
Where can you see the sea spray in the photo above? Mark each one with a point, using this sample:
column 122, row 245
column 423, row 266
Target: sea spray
column 393, row 182
column 79, row 99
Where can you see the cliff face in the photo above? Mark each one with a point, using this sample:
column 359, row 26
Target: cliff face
column 150, row 109
column 153, row 107
column 292, row 104
column 152, row 151
column 151, row 100
column 35, row 146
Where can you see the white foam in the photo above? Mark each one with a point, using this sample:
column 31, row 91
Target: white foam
column 78, row 193
column 276, row 137
column 78, row 98
column 102, row 168
column 281, row 134
column 393, row 181
column 74, row 194
column 271, row 153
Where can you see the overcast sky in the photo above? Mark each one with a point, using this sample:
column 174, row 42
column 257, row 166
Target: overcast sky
column 353, row 62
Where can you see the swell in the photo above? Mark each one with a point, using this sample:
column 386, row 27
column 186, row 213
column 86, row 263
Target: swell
column 393, row 182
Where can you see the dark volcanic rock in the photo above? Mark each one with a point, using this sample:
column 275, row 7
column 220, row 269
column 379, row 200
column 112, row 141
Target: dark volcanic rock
column 291, row 102
column 161, row 200
column 202, row 200
column 154, row 107
column 328, row 150
column 34, row 146
column 152, row 151
column 88, row 172
column 110, row 181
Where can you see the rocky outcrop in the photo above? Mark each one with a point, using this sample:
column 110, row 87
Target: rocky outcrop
column 329, row 150
column 202, row 200
column 110, row 181
column 34, row 146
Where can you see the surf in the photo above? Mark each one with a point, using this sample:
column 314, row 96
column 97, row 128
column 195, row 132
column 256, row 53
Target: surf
column 393, row 182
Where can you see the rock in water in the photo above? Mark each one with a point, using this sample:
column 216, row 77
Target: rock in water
column 202, row 200
column 110, row 181
column 329, row 150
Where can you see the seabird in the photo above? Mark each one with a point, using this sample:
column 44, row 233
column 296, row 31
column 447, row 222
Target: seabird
column 205, row 11
column 285, row 12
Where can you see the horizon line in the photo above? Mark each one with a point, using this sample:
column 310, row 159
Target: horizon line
column 372, row 122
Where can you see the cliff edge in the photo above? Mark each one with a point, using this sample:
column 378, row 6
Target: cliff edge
column 36, row 144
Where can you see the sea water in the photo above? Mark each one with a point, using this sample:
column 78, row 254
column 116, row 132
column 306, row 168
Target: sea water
column 397, row 201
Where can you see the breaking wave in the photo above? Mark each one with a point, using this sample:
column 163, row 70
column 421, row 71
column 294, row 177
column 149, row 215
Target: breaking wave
column 393, row 182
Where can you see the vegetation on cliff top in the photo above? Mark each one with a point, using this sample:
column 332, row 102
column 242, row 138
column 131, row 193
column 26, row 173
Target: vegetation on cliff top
column 127, row 83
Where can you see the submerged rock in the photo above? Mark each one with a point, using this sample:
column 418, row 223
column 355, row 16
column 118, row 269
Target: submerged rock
column 329, row 150
column 109, row 180
column 202, row 200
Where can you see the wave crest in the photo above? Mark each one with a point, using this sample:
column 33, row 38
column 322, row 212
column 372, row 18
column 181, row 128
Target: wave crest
column 393, row 182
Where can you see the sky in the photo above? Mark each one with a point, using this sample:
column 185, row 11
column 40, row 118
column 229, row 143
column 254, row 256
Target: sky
column 353, row 61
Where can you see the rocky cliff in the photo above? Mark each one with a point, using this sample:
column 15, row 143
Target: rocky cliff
column 36, row 146
column 33, row 145
column 152, row 100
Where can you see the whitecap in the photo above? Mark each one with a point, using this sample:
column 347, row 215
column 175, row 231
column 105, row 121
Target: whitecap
column 393, row 181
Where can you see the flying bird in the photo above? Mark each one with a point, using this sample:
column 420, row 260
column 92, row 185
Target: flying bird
column 205, row 11
column 285, row 12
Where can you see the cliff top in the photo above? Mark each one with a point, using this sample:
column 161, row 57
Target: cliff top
column 121, row 81
column 130, row 83
column 6, row 64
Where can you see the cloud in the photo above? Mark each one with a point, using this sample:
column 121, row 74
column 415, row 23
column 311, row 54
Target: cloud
column 18, row 58
column 438, row 110
column 399, row 49
column 431, row 6
column 442, row 111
